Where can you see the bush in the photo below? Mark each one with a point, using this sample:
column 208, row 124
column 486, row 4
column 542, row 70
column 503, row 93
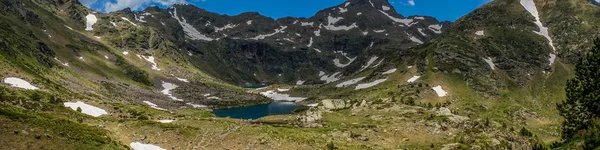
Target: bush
column 525, row 132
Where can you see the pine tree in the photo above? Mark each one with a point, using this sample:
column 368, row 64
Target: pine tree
column 583, row 94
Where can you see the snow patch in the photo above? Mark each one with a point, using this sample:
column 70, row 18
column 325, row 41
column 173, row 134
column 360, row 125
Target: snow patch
column 369, row 63
column 406, row 21
column 166, row 121
column 331, row 24
column 370, row 84
column 350, row 82
column 421, row 31
column 282, row 90
column 379, row 31
column 317, row 50
column 189, row 30
column 280, row 30
column 249, row 22
column 419, row 18
column 313, row 105
column 141, row 146
column 385, row 8
column 151, row 60
column 480, row 33
column 337, row 63
column 69, row 28
column 197, row 105
column 346, row 4
column 167, row 90
column 440, row 92
column 552, row 58
column 86, row 109
column 90, row 20
column 330, row 78
column 307, row 24
column 310, row 43
column 214, row 97
column 390, row 71
column 359, row 13
column 531, row 8
column 317, row 33
column 413, row 79
column 183, row 80
column 490, row 63
column 125, row 53
column 153, row 105
column 228, row 26
column 413, row 38
column 281, row 97
column 437, row 28
column 129, row 21
column 342, row 10
column 300, row 82
column 19, row 83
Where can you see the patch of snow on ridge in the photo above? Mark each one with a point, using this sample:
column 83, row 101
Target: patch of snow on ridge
column 529, row 5
column 86, row 108
column 19, row 83
column 129, row 21
column 228, row 26
column 337, row 62
column 331, row 24
column 330, row 78
column 421, row 31
column 369, row 63
column 390, row 71
column 414, row 39
column 189, row 30
column 153, row 105
column 249, row 22
column 385, row 8
column 167, row 90
column 197, row 105
column 370, row 84
column 280, row 30
column 407, row 21
column 307, row 23
column 300, row 82
column 490, row 63
column 342, row 10
column 281, row 97
column 310, row 43
column 346, row 4
column 141, row 146
column 90, row 20
column 350, row 82
column 437, row 28
column 151, row 60
column 359, row 13
column 413, row 79
column 439, row 91
column 317, row 33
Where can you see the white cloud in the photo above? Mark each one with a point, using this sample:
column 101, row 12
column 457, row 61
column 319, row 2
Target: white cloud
column 411, row 2
column 87, row 3
column 137, row 4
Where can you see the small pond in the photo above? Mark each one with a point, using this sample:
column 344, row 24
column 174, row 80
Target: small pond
column 258, row 111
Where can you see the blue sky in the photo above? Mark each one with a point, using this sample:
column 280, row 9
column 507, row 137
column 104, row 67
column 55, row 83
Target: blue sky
column 441, row 9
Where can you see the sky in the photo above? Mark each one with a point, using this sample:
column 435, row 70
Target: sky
column 441, row 9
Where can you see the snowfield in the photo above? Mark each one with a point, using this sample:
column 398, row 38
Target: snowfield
column 167, row 91
column 350, row 82
column 281, row 97
column 90, row 20
column 368, row 85
column 414, row 39
column 369, row 63
column 129, row 21
column 440, row 92
column 437, row 28
column 141, row 146
column 86, row 109
column 330, row 78
column 280, row 30
column 19, row 83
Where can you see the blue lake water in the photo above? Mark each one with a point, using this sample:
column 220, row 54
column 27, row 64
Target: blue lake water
column 258, row 111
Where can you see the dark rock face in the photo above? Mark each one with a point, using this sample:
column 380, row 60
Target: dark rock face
column 253, row 49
